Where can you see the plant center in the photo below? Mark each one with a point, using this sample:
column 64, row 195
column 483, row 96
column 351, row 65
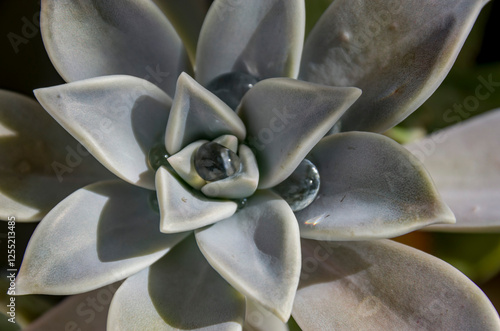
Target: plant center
column 231, row 87
column 214, row 162
column 157, row 157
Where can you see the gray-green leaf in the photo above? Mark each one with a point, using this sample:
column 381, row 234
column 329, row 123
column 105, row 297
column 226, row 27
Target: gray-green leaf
column 179, row 292
column 383, row 285
column 397, row 52
column 464, row 161
column 100, row 234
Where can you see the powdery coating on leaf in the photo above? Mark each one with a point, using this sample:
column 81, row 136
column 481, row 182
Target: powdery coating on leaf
column 40, row 163
column 464, row 161
column 371, row 187
column 383, row 285
column 198, row 114
column 100, row 234
column 257, row 251
column 118, row 118
column 181, row 291
column 87, row 39
column 263, row 38
column 397, row 52
column 183, row 208
column 285, row 118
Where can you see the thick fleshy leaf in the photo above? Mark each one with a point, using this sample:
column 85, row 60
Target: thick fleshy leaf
column 228, row 141
column 117, row 118
column 240, row 185
column 179, row 292
column 198, row 114
column 371, row 187
column 383, row 285
column 86, row 39
column 257, row 318
column 98, row 235
column 397, row 52
column 187, row 18
column 285, row 118
column 265, row 39
column 257, row 251
column 183, row 164
column 40, row 163
column 183, row 208
column 82, row 312
column 464, row 161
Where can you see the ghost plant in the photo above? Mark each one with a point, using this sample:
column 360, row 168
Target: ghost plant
column 198, row 164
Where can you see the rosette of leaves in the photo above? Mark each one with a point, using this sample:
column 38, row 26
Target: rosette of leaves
column 205, row 118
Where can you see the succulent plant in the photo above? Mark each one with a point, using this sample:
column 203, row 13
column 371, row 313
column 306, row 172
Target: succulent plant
column 230, row 145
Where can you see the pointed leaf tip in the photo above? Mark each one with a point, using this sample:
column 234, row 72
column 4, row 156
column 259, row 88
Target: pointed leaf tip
column 285, row 118
column 371, row 187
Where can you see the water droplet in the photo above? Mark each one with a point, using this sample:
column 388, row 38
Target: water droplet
column 241, row 203
column 157, row 157
column 301, row 187
column 215, row 162
column 231, row 87
column 153, row 202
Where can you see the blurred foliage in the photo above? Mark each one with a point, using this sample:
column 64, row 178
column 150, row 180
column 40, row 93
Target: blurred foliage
column 314, row 10
column 477, row 255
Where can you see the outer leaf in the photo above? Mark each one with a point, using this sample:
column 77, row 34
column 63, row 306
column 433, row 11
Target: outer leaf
column 397, row 52
column 183, row 208
column 285, row 118
column 265, row 39
column 40, row 163
column 82, row 312
column 371, row 187
column 383, row 285
column 179, row 292
column 118, row 118
column 86, row 39
column 464, row 161
column 257, row 251
column 187, row 18
column 98, row 235
column 198, row 114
